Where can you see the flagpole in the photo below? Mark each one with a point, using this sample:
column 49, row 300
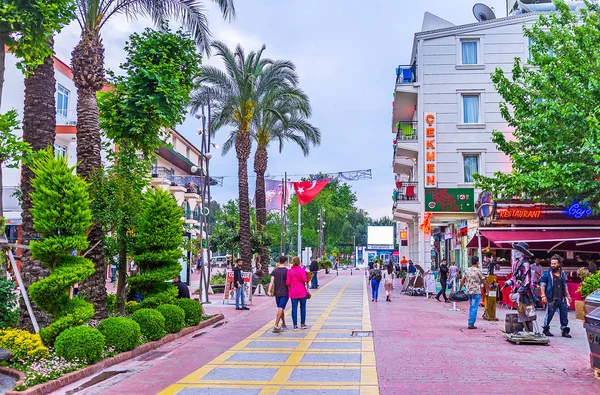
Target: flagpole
column 282, row 212
column 299, row 230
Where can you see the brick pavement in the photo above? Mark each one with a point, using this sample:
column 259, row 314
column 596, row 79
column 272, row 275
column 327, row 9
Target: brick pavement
column 423, row 348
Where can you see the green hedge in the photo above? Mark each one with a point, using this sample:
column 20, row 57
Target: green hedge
column 174, row 317
column 192, row 309
column 121, row 333
column 81, row 342
column 152, row 323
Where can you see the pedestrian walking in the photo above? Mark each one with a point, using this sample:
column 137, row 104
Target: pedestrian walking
column 375, row 278
column 443, row 281
column 454, row 273
column 238, row 284
column 474, row 280
column 555, row 295
column 388, row 278
column 297, row 282
column 183, row 291
column 278, row 288
column 314, row 269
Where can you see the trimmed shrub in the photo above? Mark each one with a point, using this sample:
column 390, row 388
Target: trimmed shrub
column 192, row 309
column 132, row 306
column 23, row 345
column 166, row 297
column 82, row 343
column 111, row 301
column 152, row 323
column 121, row 333
column 174, row 317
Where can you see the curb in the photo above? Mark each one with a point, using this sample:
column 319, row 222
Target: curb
column 17, row 374
column 72, row 377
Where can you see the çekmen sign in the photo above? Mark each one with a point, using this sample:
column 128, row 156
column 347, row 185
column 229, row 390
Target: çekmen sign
column 450, row 200
column 430, row 151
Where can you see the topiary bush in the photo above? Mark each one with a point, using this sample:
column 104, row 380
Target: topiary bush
column 121, row 333
column 131, row 307
column 174, row 317
column 80, row 342
column 192, row 309
column 61, row 214
column 157, row 248
column 152, row 323
column 23, row 345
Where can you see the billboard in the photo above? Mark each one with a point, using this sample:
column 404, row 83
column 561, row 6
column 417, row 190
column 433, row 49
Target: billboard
column 450, row 200
column 380, row 237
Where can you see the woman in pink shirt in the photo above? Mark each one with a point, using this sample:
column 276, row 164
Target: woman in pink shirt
column 296, row 281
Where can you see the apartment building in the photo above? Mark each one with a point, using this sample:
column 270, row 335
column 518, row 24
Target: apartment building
column 444, row 111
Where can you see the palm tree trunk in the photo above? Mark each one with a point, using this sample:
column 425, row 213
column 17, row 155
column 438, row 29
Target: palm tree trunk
column 39, row 130
column 260, row 167
column 88, row 76
column 243, row 145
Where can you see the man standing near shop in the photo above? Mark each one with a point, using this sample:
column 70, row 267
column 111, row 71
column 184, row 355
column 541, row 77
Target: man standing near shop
column 555, row 295
column 314, row 269
column 443, row 281
column 279, row 289
column 474, row 279
column 238, row 284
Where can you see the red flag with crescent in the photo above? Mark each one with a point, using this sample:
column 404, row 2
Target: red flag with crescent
column 308, row 190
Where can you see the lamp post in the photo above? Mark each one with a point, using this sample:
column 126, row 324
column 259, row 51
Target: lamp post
column 204, row 169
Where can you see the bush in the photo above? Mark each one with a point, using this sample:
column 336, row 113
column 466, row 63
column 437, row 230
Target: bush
column 266, row 279
column 152, row 323
column 325, row 264
column 192, row 309
column 132, row 306
column 590, row 285
column 174, row 317
column 217, row 279
column 81, row 342
column 111, row 301
column 166, row 297
column 121, row 333
column 9, row 308
column 23, row 345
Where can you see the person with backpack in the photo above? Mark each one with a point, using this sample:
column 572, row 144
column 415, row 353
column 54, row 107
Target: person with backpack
column 375, row 278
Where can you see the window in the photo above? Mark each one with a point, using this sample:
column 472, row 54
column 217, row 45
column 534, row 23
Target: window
column 62, row 101
column 469, row 50
column 60, row 151
column 470, row 108
column 470, row 167
column 530, row 44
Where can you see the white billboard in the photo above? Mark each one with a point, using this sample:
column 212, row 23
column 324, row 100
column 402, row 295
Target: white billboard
column 380, row 237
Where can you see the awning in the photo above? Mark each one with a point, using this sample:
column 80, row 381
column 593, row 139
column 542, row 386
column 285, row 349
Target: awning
column 396, row 253
column 583, row 240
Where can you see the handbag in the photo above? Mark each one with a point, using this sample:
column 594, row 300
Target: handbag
column 308, row 295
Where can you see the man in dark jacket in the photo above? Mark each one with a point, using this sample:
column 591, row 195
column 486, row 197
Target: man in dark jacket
column 314, row 268
column 238, row 284
column 443, row 281
column 555, row 295
column 183, row 290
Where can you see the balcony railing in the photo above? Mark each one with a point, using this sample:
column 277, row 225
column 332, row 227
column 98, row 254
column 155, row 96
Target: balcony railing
column 406, row 130
column 66, row 117
column 406, row 191
column 161, row 172
column 406, row 74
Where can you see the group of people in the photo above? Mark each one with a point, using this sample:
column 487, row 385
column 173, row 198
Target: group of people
column 376, row 275
column 447, row 283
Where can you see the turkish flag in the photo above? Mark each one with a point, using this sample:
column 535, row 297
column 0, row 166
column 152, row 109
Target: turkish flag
column 308, row 190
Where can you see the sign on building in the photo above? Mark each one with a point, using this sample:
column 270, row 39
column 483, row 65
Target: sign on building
column 450, row 200
column 430, row 150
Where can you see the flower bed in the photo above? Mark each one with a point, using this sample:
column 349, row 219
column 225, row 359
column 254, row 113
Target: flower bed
column 49, row 375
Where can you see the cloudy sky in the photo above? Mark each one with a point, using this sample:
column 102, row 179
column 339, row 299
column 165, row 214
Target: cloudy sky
column 346, row 53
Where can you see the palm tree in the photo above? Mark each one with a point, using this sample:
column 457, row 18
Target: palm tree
column 281, row 116
column 237, row 92
column 88, row 76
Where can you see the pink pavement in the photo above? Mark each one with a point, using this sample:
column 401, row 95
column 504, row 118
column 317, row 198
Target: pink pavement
column 423, row 348
column 154, row 371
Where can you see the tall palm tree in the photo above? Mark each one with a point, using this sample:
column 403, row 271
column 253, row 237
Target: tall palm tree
column 39, row 130
column 88, row 76
column 236, row 92
column 281, row 116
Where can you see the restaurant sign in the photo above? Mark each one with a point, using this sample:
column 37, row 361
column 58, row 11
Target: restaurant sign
column 450, row 200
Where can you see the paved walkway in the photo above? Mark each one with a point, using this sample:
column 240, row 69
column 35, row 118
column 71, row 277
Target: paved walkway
column 325, row 359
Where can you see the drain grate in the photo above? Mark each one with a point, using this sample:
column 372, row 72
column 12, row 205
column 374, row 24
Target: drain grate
column 98, row 379
column 362, row 333
column 152, row 355
column 218, row 324
column 198, row 335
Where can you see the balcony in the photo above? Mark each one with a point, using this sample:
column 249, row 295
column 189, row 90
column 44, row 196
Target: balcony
column 406, row 74
column 406, row 200
column 161, row 172
column 406, row 191
column 406, row 131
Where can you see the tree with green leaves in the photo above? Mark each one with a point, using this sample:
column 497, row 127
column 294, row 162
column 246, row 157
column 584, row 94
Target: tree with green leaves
column 553, row 108
column 12, row 147
column 237, row 93
column 137, row 115
column 88, row 76
column 62, row 216
column 158, row 248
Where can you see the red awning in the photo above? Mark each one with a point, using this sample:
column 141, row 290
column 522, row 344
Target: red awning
column 584, row 240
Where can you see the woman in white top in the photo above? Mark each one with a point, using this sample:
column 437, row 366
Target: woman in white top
column 388, row 277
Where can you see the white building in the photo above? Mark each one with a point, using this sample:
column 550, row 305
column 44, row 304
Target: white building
column 445, row 109
column 172, row 169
